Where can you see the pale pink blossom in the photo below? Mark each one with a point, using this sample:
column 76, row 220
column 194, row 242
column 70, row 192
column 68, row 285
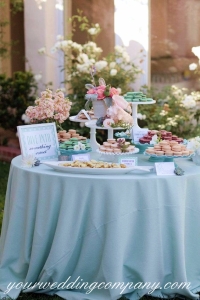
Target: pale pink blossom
column 49, row 107
column 113, row 91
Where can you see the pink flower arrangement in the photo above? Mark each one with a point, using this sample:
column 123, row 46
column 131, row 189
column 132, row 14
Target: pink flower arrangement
column 101, row 90
column 50, row 107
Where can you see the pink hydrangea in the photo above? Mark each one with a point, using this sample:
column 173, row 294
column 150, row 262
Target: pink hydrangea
column 99, row 91
column 113, row 91
column 50, row 107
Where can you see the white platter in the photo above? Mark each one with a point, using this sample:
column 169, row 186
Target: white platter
column 56, row 165
column 94, row 171
column 142, row 102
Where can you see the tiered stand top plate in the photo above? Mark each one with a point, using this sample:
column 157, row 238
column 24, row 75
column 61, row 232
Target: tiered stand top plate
column 142, row 102
column 92, row 124
column 75, row 119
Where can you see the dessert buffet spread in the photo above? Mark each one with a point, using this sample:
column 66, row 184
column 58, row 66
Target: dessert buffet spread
column 112, row 112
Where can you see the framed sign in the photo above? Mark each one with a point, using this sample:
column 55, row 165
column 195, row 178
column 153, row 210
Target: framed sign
column 39, row 140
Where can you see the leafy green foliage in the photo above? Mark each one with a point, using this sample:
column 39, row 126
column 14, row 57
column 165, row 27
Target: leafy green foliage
column 15, row 6
column 16, row 94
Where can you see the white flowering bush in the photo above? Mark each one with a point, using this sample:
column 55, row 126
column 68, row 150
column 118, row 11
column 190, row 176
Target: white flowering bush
column 176, row 110
column 116, row 68
column 194, row 144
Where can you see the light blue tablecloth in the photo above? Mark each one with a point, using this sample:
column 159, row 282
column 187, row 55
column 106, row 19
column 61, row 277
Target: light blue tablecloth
column 133, row 228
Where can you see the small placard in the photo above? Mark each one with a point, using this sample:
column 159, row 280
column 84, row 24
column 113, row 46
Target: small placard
column 39, row 140
column 165, row 168
column 130, row 161
column 139, row 133
column 81, row 157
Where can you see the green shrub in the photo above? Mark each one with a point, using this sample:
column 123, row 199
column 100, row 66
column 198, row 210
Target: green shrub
column 16, row 94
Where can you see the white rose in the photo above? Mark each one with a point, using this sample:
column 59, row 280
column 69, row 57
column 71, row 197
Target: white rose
column 119, row 90
column 42, row 50
column 113, row 72
column 189, row 102
column 196, row 51
column 101, row 64
column 112, row 64
column 59, row 37
column 119, row 49
column 37, row 77
column 25, row 119
column 83, row 58
column 76, row 46
column 125, row 56
column 64, row 44
column 193, row 67
column 92, row 31
column 83, row 68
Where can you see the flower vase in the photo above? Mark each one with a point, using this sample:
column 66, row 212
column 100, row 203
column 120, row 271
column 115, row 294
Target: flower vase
column 196, row 158
column 100, row 108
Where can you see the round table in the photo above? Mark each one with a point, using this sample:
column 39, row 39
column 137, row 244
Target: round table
column 98, row 237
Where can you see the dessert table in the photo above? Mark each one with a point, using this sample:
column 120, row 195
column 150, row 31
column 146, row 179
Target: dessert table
column 100, row 237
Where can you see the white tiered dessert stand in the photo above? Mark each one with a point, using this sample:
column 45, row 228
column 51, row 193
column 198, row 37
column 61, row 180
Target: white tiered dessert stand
column 92, row 124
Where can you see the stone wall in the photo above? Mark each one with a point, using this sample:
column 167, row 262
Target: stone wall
column 101, row 12
column 175, row 29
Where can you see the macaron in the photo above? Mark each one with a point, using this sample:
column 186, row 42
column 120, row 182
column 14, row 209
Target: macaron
column 150, row 151
column 114, row 146
column 111, row 141
column 178, row 153
column 109, row 150
column 72, row 131
column 73, row 139
column 160, row 153
column 106, row 144
column 75, row 135
column 62, row 131
column 169, row 153
column 185, row 152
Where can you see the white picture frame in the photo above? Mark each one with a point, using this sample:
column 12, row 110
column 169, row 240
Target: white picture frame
column 39, row 140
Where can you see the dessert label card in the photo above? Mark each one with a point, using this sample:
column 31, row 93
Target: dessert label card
column 139, row 133
column 81, row 157
column 129, row 161
column 39, row 140
column 165, row 168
